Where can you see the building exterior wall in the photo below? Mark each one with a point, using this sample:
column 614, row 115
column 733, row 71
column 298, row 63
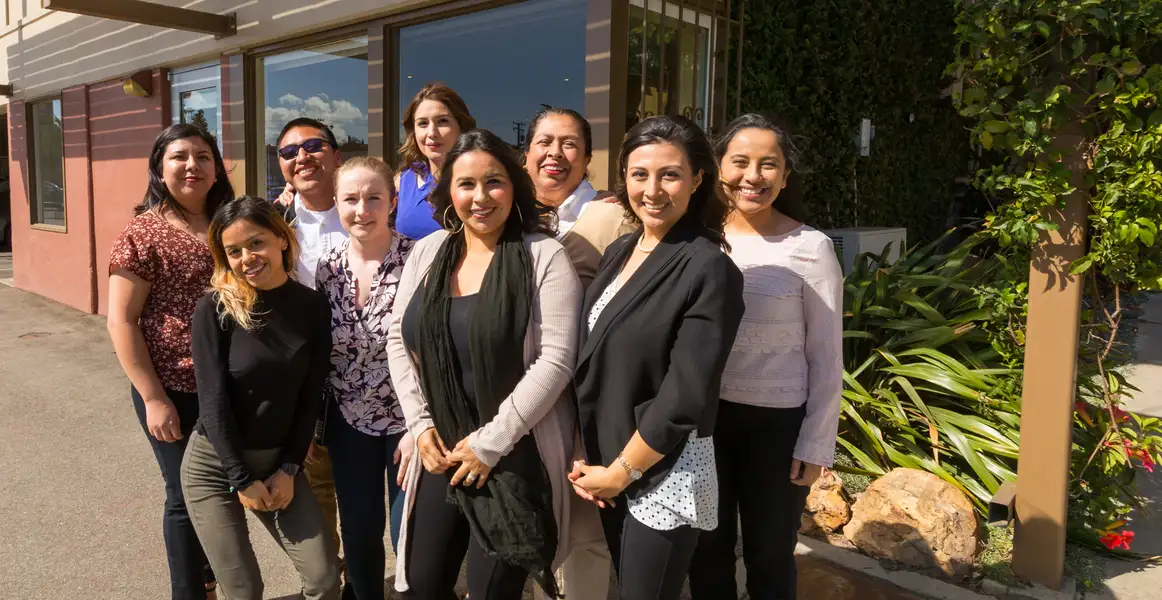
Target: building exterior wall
column 108, row 133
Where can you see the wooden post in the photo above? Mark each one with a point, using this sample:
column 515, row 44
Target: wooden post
column 1052, row 333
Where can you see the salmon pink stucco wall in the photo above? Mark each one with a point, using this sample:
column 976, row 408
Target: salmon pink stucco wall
column 107, row 139
column 55, row 262
column 122, row 132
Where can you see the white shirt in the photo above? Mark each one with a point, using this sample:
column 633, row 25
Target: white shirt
column 689, row 493
column 317, row 233
column 570, row 210
column 789, row 347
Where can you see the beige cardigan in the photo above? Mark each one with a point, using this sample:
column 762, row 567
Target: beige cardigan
column 538, row 402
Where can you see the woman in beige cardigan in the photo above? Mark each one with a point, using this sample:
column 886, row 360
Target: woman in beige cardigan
column 482, row 344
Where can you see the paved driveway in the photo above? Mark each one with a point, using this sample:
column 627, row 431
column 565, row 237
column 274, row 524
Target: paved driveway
column 81, row 498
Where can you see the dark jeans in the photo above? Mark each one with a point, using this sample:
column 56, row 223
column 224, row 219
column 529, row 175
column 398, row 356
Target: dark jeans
column 753, row 449
column 439, row 540
column 189, row 571
column 651, row 564
column 359, row 463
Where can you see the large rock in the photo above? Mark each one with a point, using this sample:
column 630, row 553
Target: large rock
column 827, row 507
column 915, row 518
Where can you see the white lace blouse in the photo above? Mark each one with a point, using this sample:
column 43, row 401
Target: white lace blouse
column 789, row 348
column 689, row 493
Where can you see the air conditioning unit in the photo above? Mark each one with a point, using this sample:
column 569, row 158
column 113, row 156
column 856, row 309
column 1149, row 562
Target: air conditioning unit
column 850, row 242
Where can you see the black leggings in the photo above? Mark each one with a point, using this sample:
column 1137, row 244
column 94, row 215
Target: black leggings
column 651, row 564
column 439, row 540
column 753, row 449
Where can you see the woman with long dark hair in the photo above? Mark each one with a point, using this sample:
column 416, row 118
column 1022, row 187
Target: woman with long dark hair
column 482, row 344
column 431, row 122
column 660, row 319
column 262, row 353
column 158, row 268
column 781, row 387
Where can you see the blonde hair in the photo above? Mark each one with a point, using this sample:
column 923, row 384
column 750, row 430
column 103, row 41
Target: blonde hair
column 371, row 163
column 236, row 297
column 410, row 154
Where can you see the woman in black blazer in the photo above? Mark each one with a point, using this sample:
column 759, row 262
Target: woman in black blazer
column 659, row 322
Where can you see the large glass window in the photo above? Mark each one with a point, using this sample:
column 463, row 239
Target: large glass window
column 327, row 83
column 48, row 163
column 669, row 46
column 505, row 62
column 196, row 98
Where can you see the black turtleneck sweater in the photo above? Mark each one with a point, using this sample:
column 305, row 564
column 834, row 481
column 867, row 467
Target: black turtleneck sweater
column 263, row 388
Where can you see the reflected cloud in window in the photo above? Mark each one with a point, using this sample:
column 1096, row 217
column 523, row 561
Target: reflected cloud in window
column 327, row 83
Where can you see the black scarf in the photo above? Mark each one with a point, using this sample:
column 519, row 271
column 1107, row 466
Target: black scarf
column 511, row 517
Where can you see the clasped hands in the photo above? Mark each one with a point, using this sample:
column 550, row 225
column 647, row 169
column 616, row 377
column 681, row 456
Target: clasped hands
column 275, row 493
column 438, row 459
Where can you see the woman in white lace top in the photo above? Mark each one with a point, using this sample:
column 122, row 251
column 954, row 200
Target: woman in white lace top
column 781, row 387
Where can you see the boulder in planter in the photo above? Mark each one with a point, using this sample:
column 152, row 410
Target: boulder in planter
column 915, row 518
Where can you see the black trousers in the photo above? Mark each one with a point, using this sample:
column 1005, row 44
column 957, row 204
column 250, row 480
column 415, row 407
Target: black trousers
column 651, row 564
column 439, row 540
column 753, row 448
column 189, row 571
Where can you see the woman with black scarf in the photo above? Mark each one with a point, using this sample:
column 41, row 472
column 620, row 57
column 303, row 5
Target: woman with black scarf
column 482, row 344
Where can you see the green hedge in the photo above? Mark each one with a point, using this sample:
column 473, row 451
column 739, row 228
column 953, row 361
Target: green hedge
column 825, row 64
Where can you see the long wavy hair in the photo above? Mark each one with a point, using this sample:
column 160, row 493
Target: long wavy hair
column 790, row 199
column 528, row 214
column 410, row 155
column 236, row 297
column 157, row 195
column 708, row 206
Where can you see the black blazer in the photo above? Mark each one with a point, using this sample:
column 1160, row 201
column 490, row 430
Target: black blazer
column 654, row 360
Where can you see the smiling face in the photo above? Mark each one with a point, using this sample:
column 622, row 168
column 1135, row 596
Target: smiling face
column 187, row 168
column 753, row 170
column 255, row 254
column 556, row 157
column 309, row 173
column 481, row 194
column 435, row 129
column 659, row 181
column 365, row 203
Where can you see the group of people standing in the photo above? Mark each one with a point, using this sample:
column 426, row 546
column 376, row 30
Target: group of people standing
column 481, row 354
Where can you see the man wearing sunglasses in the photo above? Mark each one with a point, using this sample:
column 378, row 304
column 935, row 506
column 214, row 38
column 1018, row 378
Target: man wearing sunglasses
column 308, row 155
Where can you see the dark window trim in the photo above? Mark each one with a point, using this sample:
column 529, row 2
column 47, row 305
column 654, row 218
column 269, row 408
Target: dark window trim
column 32, row 184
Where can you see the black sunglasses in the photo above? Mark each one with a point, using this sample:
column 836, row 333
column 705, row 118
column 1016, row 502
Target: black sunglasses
column 313, row 145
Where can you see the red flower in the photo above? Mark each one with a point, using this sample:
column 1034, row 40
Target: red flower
column 1120, row 414
column 1142, row 455
column 1114, row 540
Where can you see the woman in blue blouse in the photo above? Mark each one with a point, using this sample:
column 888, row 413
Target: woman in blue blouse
column 433, row 120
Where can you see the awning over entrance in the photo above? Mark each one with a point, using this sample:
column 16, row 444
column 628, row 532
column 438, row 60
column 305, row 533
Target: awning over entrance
column 148, row 13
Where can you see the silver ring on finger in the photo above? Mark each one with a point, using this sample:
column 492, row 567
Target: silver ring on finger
column 470, row 478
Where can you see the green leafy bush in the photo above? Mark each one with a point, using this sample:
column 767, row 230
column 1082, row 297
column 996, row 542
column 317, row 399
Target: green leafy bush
column 925, row 388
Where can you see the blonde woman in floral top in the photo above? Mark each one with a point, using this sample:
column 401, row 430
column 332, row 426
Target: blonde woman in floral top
column 365, row 428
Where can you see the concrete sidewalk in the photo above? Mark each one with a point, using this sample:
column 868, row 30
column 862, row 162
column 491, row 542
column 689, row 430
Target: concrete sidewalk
column 81, row 499
column 1143, row 580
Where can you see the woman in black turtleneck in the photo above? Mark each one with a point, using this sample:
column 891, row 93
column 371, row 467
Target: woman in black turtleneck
column 261, row 347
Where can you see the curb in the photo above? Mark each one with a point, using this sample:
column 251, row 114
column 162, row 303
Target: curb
column 930, row 587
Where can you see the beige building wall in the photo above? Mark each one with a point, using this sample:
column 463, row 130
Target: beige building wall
column 44, row 51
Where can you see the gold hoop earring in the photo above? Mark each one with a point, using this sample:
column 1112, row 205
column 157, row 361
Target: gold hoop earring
column 454, row 231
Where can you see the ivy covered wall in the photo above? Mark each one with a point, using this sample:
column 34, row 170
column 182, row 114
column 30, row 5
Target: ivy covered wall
column 825, row 64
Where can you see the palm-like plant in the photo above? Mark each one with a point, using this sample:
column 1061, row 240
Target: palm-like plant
column 924, row 386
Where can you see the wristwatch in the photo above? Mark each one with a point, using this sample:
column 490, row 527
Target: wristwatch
column 290, row 469
column 634, row 474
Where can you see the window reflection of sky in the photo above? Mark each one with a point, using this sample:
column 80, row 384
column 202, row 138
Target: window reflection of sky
column 329, row 84
column 505, row 62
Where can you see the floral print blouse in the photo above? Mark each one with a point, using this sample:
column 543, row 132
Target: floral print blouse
column 178, row 267
column 359, row 377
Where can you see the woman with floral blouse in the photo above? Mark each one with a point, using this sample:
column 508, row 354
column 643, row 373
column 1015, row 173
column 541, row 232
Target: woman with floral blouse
column 364, row 425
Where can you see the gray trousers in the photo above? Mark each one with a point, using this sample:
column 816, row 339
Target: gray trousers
column 220, row 521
